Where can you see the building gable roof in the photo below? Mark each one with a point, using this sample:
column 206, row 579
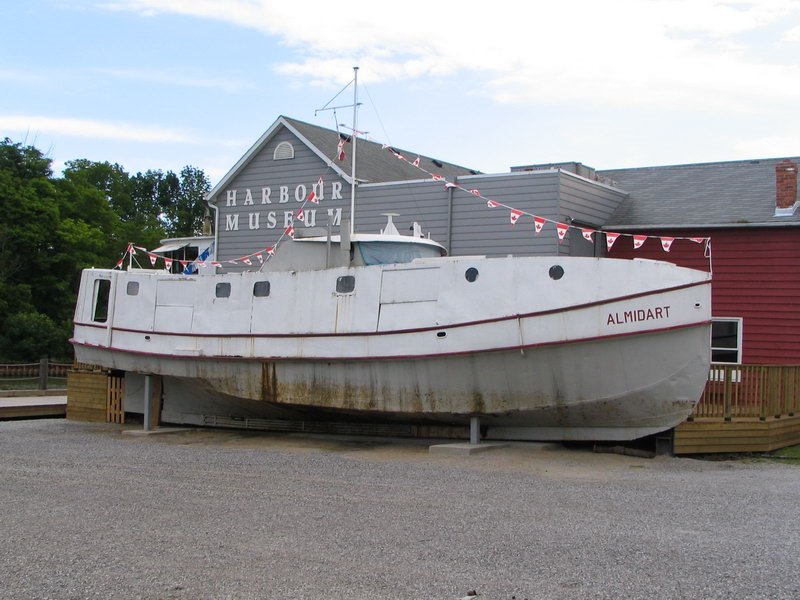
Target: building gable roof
column 375, row 164
column 705, row 194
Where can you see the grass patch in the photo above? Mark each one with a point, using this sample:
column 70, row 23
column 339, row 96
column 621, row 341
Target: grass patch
column 792, row 452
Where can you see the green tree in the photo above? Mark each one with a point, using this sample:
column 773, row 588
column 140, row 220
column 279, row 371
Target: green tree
column 51, row 228
column 29, row 214
column 186, row 216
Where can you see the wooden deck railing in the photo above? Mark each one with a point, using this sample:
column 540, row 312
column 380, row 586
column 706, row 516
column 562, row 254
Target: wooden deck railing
column 40, row 375
column 754, row 391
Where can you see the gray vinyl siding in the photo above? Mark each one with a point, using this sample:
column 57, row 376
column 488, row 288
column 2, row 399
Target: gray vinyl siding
column 422, row 201
column 475, row 229
column 480, row 230
column 588, row 204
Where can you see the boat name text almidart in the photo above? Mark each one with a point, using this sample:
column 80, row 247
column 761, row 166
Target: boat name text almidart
column 639, row 314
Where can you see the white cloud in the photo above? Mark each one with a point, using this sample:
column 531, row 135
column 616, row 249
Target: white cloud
column 675, row 54
column 88, row 128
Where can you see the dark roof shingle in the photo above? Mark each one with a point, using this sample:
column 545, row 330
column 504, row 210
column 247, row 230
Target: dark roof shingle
column 375, row 164
column 735, row 192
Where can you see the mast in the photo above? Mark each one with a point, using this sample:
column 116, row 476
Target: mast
column 353, row 138
column 353, row 166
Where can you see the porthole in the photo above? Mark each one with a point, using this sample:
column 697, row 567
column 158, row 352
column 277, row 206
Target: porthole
column 223, row 290
column 471, row 274
column 261, row 289
column 132, row 289
column 556, row 272
column 441, row 334
column 345, row 284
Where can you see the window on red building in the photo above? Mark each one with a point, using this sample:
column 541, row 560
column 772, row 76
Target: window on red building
column 726, row 340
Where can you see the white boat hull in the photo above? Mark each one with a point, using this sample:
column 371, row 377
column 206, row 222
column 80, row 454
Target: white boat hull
column 601, row 390
column 550, row 359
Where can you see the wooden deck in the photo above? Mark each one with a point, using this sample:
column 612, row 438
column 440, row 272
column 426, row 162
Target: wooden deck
column 26, row 407
column 744, row 408
column 706, row 435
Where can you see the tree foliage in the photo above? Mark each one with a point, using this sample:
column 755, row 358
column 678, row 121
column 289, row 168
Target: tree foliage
column 53, row 227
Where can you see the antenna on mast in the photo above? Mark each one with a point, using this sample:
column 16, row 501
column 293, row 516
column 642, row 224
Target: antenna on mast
column 353, row 166
column 353, row 137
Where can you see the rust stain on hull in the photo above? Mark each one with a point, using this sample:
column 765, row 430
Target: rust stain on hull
column 269, row 382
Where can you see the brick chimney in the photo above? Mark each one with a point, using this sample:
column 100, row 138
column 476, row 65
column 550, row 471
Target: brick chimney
column 785, row 187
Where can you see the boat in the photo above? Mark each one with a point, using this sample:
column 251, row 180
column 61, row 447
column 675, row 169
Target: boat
column 387, row 328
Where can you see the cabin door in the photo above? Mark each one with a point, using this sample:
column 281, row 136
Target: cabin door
column 408, row 298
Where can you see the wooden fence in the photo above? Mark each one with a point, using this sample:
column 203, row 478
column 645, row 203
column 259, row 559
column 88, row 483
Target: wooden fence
column 35, row 375
column 750, row 391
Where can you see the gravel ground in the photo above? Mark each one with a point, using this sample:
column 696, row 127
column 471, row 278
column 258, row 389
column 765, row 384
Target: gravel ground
column 86, row 512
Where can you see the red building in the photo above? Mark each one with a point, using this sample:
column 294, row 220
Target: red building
column 749, row 211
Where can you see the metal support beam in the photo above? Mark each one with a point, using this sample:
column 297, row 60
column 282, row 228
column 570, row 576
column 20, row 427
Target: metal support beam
column 474, row 430
column 148, row 401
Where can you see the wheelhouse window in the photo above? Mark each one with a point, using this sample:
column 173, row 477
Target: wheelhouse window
column 726, row 340
column 387, row 253
column 132, row 289
column 223, row 290
column 261, row 289
column 345, row 284
column 102, row 289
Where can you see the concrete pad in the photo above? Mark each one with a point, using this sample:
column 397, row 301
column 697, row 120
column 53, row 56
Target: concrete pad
column 157, row 431
column 464, row 448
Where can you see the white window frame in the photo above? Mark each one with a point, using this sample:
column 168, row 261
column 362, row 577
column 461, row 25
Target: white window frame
column 739, row 335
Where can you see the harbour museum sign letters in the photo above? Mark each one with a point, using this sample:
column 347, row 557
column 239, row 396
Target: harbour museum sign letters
column 260, row 210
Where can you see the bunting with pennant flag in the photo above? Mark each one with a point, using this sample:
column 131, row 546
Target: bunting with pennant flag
column 539, row 222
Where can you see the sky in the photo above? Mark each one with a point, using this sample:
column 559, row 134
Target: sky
column 159, row 84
